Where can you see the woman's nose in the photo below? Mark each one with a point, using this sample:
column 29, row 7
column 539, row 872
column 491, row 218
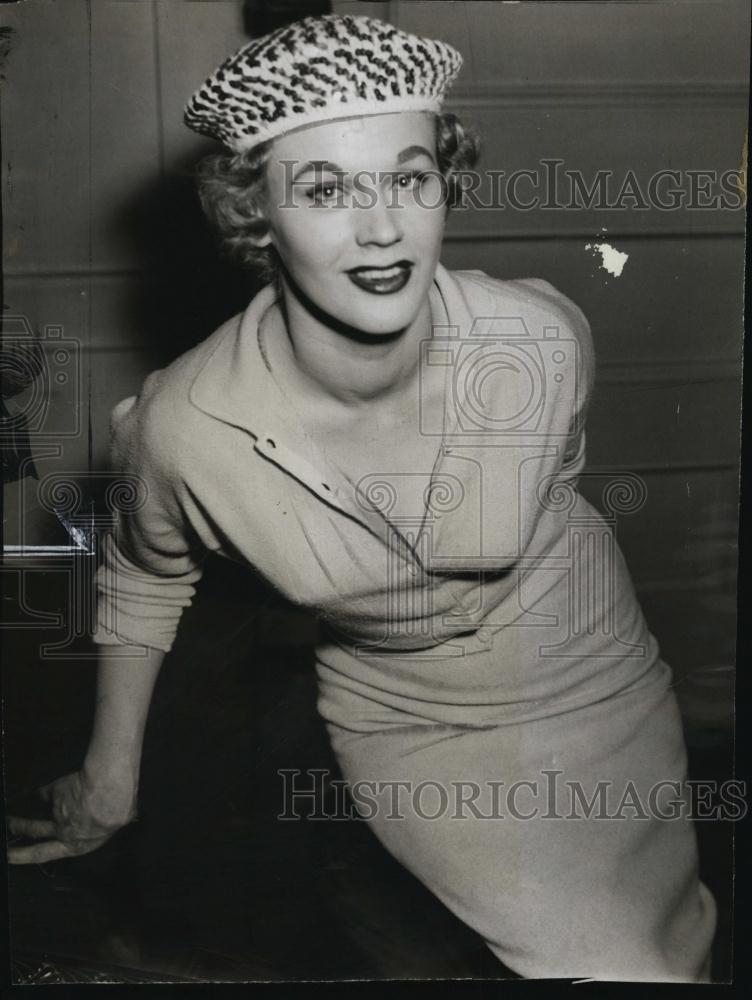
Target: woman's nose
column 379, row 223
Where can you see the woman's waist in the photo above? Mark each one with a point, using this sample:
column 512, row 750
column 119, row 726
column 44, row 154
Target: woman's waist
column 497, row 670
column 574, row 585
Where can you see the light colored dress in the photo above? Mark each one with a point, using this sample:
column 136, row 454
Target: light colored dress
column 481, row 640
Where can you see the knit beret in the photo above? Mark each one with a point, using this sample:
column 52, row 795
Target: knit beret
column 320, row 69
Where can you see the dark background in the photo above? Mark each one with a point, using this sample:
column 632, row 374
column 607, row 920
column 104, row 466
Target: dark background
column 104, row 238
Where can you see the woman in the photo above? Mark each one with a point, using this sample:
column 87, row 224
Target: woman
column 396, row 447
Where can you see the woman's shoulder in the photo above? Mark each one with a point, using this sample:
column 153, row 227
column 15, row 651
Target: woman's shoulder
column 535, row 297
column 160, row 416
column 537, row 303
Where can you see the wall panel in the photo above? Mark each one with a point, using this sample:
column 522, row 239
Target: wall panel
column 48, row 169
column 530, row 42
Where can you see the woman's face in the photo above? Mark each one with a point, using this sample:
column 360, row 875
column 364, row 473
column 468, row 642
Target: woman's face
column 356, row 214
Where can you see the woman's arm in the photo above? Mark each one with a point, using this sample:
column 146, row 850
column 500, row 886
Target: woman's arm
column 90, row 805
column 147, row 576
column 125, row 682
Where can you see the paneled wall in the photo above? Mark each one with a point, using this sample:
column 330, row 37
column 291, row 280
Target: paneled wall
column 103, row 236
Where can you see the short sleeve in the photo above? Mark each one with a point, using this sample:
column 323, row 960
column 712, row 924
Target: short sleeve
column 152, row 561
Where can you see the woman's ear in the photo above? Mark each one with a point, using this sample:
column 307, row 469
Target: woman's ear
column 261, row 239
column 258, row 230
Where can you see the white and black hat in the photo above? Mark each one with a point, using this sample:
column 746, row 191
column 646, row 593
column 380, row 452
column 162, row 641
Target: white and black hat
column 320, row 69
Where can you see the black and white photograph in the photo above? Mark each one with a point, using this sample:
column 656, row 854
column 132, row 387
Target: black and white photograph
column 371, row 447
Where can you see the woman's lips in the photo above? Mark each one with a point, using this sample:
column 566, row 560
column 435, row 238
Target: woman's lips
column 382, row 280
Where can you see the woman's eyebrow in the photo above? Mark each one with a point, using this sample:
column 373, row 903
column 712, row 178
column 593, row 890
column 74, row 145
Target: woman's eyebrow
column 412, row 151
column 318, row 166
column 321, row 166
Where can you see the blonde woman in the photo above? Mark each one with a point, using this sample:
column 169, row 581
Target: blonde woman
column 397, row 447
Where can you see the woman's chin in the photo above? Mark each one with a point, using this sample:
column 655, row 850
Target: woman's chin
column 355, row 310
column 382, row 326
column 379, row 318
column 385, row 315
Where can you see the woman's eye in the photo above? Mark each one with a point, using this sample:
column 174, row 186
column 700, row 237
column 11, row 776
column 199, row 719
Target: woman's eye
column 409, row 180
column 324, row 194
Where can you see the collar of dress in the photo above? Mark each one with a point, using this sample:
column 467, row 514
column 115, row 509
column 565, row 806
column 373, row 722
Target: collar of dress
column 236, row 385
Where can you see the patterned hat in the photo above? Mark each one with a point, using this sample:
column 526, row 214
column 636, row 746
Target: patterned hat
column 319, row 69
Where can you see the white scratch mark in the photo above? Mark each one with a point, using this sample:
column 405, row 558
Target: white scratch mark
column 612, row 260
column 82, row 539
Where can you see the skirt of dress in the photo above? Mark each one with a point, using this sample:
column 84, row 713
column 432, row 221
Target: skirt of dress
column 565, row 841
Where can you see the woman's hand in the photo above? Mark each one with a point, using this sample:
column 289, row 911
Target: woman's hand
column 91, row 805
column 86, row 811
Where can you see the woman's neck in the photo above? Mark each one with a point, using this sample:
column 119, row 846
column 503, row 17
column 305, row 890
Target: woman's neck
column 349, row 367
